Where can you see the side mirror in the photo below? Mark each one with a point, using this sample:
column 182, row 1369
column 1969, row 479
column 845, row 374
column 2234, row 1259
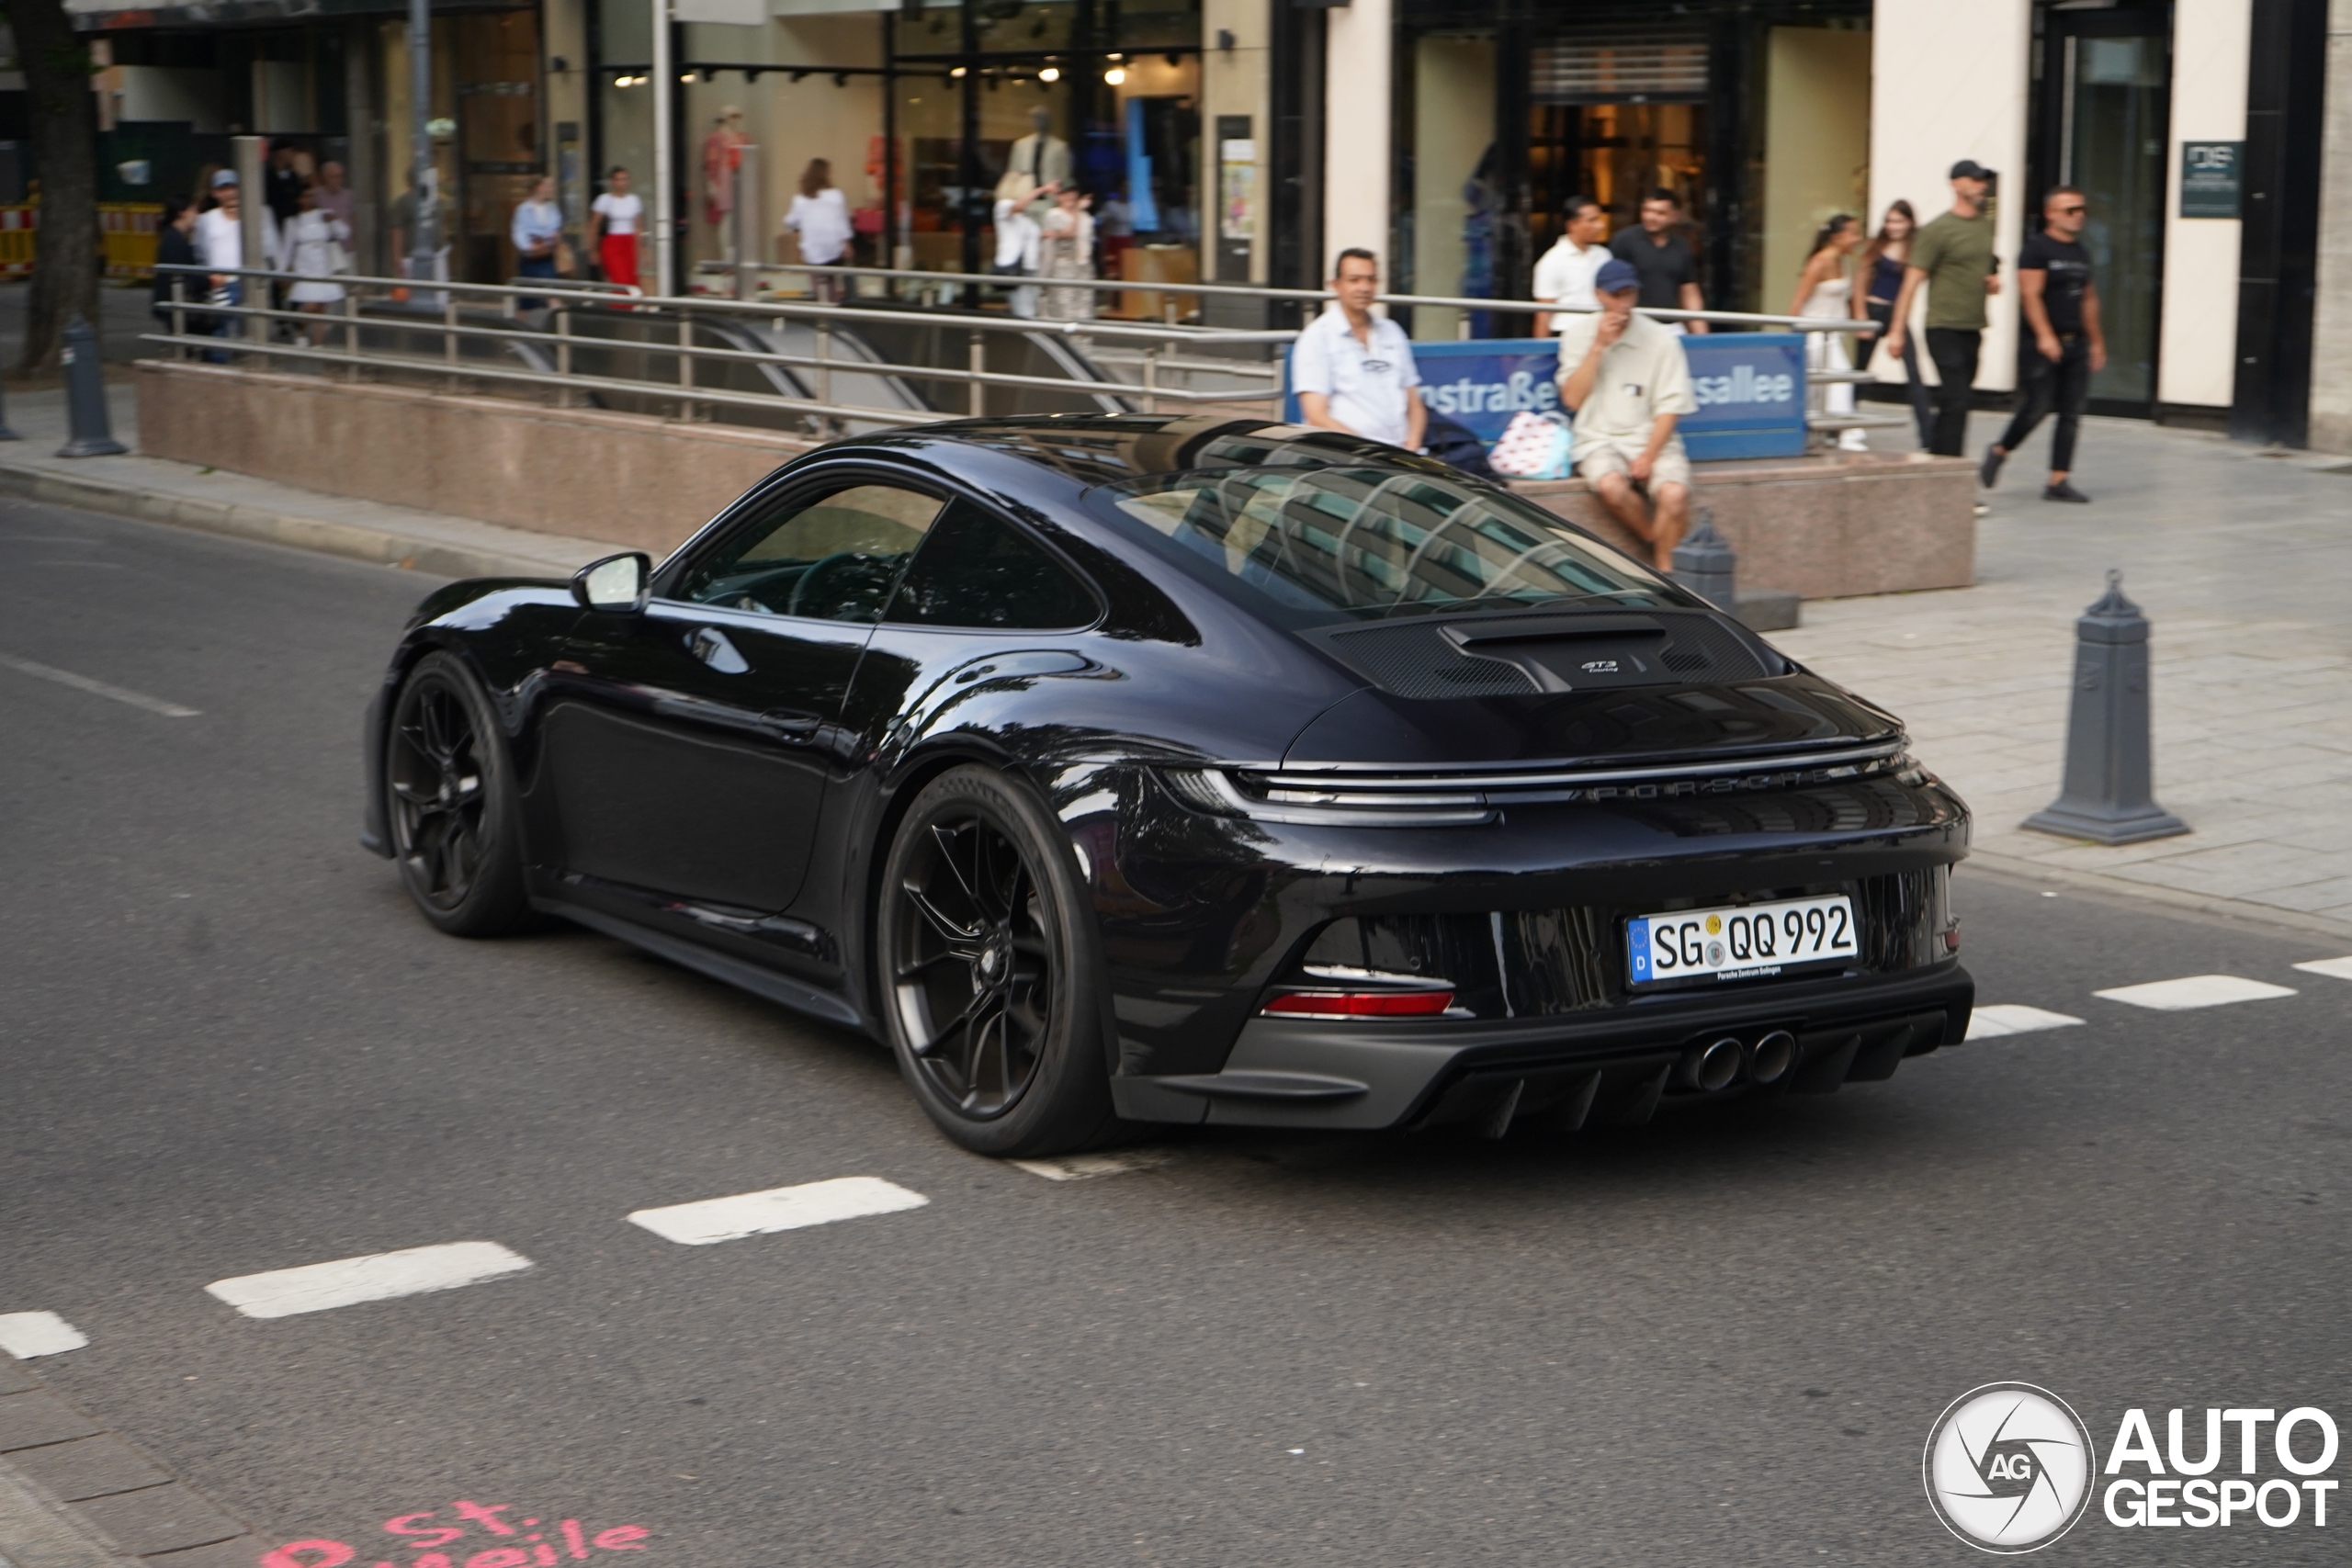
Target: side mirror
column 615, row 583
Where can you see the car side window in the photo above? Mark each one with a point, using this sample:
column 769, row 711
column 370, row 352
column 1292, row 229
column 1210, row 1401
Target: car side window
column 976, row 569
column 832, row 558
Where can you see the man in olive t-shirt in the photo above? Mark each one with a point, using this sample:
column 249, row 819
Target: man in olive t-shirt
column 1954, row 254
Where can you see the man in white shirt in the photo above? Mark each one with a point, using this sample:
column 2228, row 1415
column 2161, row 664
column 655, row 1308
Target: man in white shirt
column 1629, row 383
column 1564, row 276
column 220, row 242
column 1353, row 370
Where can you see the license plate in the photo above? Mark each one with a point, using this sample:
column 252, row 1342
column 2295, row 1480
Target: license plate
column 1751, row 941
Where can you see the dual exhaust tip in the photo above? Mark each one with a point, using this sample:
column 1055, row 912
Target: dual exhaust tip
column 1718, row 1064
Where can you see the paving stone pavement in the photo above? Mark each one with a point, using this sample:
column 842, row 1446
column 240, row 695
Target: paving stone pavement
column 2242, row 564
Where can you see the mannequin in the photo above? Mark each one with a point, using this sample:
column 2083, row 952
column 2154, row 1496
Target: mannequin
column 1042, row 156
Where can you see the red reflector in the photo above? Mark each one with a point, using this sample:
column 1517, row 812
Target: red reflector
column 1362, row 1004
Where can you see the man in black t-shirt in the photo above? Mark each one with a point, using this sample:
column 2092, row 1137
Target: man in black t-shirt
column 1669, row 273
column 2062, row 310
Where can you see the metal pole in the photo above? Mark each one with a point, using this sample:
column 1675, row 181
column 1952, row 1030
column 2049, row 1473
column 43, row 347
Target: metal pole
column 748, row 231
column 1151, row 380
column 423, row 180
column 563, row 352
column 251, row 291
column 824, row 361
column 978, row 358
column 686, row 364
column 665, row 197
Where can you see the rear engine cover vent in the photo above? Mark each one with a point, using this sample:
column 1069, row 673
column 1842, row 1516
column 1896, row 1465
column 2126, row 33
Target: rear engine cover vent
column 1525, row 655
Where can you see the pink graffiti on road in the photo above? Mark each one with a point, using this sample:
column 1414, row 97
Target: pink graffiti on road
column 423, row 1534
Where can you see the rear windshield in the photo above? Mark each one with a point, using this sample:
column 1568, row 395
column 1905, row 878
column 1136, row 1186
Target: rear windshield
column 1352, row 543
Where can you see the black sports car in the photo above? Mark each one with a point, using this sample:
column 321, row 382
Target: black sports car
column 1149, row 769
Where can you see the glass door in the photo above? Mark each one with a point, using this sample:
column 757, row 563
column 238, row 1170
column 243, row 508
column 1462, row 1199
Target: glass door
column 2107, row 105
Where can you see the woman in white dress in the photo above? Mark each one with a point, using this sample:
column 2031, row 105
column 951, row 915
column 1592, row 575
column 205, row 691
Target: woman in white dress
column 1068, row 250
column 820, row 217
column 312, row 248
column 1825, row 292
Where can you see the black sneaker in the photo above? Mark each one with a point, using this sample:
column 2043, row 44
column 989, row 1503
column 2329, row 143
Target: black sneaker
column 1988, row 472
column 2062, row 491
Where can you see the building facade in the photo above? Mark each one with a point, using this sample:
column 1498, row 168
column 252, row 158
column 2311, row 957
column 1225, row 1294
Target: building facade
column 1246, row 141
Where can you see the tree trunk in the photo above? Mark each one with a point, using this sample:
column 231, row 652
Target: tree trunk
column 57, row 70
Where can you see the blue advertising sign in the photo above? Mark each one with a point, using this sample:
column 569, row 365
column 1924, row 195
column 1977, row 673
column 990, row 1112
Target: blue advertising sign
column 1750, row 389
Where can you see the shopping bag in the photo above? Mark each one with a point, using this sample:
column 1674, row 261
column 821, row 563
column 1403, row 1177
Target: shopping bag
column 1532, row 446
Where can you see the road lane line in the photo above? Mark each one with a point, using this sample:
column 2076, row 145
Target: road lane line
column 2334, row 968
column 348, row 1281
column 25, row 1335
column 2195, row 991
column 1086, row 1168
column 97, row 688
column 1992, row 1022
column 778, row 1209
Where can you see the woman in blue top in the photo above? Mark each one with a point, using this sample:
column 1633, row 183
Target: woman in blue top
column 1881, row 276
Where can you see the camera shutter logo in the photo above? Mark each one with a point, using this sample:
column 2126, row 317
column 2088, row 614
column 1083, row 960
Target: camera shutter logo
column 2008, row 1467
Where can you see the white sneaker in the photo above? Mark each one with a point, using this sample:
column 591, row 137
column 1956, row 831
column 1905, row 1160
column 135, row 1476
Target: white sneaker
column 1853, row 440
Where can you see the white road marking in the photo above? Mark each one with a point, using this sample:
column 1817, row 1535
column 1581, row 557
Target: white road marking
column 97, row 688
column 777, row 1209
column 348, row 1281
column 25, row 1335
column 2195, row 991
column 1086, row 1168
column 2334, row 968
column 2013, row 1018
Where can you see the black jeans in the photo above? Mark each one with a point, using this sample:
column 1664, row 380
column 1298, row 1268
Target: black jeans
column 2065, row 384
column 1883, row 312
column 1954, row 351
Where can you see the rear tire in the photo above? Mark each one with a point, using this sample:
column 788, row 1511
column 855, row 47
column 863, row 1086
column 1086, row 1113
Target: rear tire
column 991, row 999
column 450, row 797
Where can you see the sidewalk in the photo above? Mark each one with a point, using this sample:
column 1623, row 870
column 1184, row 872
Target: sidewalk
column 2242, row 565
column 158, row 490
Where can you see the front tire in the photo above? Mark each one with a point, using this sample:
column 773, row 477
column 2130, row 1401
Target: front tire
column 449, row 794
column 991, row 995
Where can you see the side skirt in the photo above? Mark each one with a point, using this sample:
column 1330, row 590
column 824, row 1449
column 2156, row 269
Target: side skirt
column 779, row 988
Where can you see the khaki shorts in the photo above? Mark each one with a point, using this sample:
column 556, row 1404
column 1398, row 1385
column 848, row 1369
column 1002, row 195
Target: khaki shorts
column 1672, row 467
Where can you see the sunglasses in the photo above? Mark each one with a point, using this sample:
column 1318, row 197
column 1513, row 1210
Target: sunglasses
column 2069, row 211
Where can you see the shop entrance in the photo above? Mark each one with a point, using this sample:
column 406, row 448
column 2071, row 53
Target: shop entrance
column 2105, row 105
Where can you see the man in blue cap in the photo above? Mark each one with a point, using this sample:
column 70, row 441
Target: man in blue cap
column 1626, row 379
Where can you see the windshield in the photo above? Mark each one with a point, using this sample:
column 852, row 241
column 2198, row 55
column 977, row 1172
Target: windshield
column 1328, row 543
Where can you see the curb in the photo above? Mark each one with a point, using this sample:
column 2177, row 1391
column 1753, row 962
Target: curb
column 75, row 1496
column 353, row 541
column 2122, row 889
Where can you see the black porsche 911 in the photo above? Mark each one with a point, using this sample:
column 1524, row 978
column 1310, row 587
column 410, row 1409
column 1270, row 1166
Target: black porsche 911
column 1146, row 769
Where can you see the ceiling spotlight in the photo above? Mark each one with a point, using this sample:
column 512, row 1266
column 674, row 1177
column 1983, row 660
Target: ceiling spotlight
column 956, row 75
column 1114, row 75
column 1115, row 57
column 1050, row 73
column 685, row 75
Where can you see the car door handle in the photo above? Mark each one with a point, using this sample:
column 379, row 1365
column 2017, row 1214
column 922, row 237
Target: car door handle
column 793, row 726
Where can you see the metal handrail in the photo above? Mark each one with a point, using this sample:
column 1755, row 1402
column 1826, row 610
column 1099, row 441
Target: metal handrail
column 1262, row 291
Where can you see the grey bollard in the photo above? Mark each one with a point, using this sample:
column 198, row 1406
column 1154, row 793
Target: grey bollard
column 1705, row 564
column 91, row 433
column 2109, row 793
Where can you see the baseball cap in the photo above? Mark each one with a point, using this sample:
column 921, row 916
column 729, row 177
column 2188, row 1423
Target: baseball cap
column 1970, row 169
column 223, row 177
column 1616, row 273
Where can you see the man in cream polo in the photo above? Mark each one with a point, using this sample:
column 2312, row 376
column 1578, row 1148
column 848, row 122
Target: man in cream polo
column 1353, row 370
column 1626, row 381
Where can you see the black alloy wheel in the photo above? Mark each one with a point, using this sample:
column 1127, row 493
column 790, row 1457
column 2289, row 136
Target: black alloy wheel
column 451, row 799
column 990, row 994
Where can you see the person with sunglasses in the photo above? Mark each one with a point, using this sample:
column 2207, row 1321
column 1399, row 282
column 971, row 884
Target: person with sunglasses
column 2062, row 310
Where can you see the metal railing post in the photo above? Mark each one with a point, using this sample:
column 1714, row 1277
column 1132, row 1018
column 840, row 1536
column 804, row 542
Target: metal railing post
column 351, row 331
column 1151, row 380
column 563, row 353
column 978, row 358
column 686, row 364
column 825, row 363
column 748, row 234
column 449, row 335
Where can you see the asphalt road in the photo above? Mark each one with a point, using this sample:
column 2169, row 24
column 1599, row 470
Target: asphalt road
column 228, row 1046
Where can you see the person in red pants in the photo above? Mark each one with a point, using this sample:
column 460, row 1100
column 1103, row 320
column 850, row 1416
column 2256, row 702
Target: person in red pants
column 618, row 217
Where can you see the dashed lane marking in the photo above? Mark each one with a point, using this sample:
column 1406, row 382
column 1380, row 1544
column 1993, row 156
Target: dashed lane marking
column 25, row 1335
column 2013, row 1018
column 1086, row 1168
column 348, row 1281
column 2334, row 968
column 777, row 1209
column 97, row 688
column 2195, row 991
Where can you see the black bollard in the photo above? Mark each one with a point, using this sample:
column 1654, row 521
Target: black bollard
column 2109, row 793
column 90, row 432
column 1705, row 564
column 6, row 433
